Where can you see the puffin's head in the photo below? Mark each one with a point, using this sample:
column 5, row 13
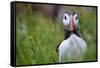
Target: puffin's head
column 70, row 21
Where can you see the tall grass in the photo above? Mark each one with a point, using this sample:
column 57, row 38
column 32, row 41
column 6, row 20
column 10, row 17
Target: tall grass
column 38, row 36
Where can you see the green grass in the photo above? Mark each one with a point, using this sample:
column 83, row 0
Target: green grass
column 37, row 38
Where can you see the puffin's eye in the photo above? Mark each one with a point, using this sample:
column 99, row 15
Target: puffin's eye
column 76, row 18
column 65, row 17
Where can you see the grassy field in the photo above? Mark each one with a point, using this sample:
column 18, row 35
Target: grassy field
column 38, row 36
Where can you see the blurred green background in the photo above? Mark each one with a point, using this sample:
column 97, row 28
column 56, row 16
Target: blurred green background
column 39, row 30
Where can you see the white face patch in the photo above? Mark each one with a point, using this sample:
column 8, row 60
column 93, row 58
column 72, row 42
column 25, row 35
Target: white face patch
column 75, row 19
column 66, row 19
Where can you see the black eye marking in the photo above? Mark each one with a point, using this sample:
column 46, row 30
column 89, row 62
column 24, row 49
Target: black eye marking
column 76, row 18
column 65, row 17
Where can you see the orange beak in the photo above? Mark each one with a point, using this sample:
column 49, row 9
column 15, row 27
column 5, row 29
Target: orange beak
column 71, row 25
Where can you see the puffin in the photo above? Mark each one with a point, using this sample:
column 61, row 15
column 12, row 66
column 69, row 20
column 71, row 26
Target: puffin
column 73, row 47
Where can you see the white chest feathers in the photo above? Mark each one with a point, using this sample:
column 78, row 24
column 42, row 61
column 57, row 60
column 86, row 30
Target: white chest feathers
column 72, row 49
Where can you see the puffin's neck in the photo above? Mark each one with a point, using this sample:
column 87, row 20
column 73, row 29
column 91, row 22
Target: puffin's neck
column 67, row 33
